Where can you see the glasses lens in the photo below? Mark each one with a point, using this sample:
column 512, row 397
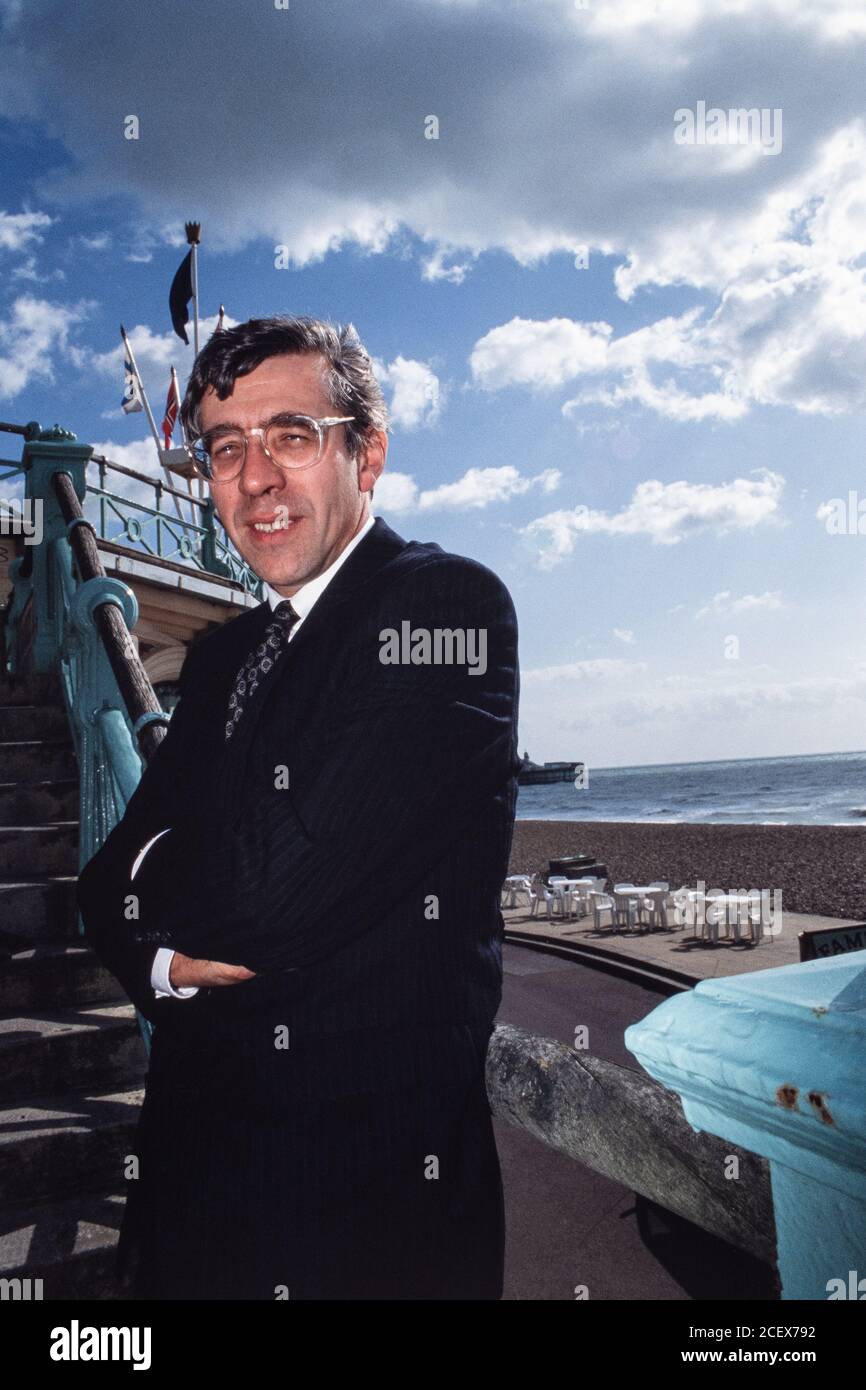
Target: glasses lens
column 224, row 454
column 293, row 442
column 201, row 457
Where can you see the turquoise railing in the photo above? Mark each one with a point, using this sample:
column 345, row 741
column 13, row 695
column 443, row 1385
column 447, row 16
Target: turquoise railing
column 201, row 544
column 66, row 616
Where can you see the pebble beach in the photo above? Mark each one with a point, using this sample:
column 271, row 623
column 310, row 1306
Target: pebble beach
column 819, row 869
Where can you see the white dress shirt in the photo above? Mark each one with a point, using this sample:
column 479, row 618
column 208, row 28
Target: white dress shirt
column 302, row 602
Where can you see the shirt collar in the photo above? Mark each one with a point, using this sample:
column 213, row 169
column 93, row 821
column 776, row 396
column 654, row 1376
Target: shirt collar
column 306, row 596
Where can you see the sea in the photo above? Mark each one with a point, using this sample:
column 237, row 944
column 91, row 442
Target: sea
column 814, row 789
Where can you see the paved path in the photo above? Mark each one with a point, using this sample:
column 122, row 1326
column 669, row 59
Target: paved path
column 679, row 950
column 567, row 1225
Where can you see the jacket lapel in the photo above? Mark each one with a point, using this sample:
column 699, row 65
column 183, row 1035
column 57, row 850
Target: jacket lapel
column 379, row 546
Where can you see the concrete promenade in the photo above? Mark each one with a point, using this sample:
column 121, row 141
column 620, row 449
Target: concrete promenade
column 682, row 949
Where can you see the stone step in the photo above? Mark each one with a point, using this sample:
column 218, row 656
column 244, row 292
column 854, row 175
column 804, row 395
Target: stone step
column 37, row 760
column 31, row 690
column 38, row 803
column 69, row 1244
column 19, row 722
column 41, row 977
column 55, row 1146
column 36, row 906
column 39, row 849
column 50, row 1051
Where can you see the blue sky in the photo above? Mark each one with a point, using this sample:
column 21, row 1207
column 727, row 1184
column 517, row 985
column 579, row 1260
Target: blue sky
column 644, row 449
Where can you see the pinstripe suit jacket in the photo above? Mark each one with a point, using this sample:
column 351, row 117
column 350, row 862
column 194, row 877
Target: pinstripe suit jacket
column 365, row 896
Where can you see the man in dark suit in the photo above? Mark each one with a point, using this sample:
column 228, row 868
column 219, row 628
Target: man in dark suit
column 303, row 894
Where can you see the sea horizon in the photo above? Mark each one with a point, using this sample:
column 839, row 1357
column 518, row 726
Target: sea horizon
column 800, row 789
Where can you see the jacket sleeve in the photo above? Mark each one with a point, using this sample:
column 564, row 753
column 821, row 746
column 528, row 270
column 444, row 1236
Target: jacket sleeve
column 126, row 947
column 412, row 754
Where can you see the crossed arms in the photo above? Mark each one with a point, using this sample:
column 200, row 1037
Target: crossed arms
column 409, row 756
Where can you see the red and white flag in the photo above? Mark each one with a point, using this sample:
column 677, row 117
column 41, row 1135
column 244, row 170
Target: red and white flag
column 172, row 406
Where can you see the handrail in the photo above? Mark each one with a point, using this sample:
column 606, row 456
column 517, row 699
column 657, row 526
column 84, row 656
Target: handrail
column 204, row 544
column 625, row 1125
column 146, row 478
column 139, row 697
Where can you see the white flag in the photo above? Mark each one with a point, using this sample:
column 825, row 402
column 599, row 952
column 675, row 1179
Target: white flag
column 131, row 391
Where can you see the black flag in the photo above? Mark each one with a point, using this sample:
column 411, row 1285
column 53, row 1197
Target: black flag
column 179, row 296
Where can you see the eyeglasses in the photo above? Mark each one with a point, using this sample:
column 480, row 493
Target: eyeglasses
column 291, row 441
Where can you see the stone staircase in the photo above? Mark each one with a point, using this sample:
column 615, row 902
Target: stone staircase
column 72, row 1060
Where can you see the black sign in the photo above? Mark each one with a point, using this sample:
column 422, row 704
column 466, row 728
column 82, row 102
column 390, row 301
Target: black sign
column 815, row 945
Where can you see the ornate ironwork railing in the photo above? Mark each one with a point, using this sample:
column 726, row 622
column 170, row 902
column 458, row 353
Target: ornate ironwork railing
column 198, row 540
column 66, row 616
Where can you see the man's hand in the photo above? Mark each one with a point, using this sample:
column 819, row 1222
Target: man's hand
column 186, row 970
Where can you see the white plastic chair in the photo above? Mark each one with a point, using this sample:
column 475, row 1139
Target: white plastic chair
column 714, row 915
column 512, row 886
column 626, row 906
column 525, row 890
column 578, row 896
column 601, row 903
column 534, row 893
column 557, row 900
column 665, row 911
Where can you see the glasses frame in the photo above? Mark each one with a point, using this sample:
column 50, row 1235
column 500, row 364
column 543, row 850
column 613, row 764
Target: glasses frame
column 321, row 425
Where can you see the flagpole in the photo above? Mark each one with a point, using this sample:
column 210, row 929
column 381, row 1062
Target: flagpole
column 177, row 394
column 149, row 413
column 193, row 234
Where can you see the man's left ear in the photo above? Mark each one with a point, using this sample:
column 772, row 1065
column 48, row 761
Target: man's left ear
column 371, row 459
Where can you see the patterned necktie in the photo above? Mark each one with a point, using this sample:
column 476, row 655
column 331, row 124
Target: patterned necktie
column 260, row 661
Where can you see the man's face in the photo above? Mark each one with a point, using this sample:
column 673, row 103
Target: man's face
column 321, row 507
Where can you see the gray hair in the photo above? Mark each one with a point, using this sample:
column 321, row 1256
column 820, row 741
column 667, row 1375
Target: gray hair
column 234, row 352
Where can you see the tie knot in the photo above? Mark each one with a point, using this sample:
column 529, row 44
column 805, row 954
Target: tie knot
column 286, row 614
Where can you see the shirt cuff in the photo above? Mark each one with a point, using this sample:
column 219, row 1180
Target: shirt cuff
column 159, row 977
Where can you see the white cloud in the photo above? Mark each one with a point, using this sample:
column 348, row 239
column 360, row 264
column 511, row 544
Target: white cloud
column 479, row 487
column 625, row 711
column 561, row 138
column 830, row 19
column 788, row 326
column 34, row 334
column 725, row 603
column 100, row 242
column 437, row 267
column 563, row 99
column 417, row 395
column 18, row 230
column 664, row 512
column 525, row 352
column 624, row 634
column 396, row 492
column 596, row 669
column 27, row 270
column 155, row 354
column 546, row 354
